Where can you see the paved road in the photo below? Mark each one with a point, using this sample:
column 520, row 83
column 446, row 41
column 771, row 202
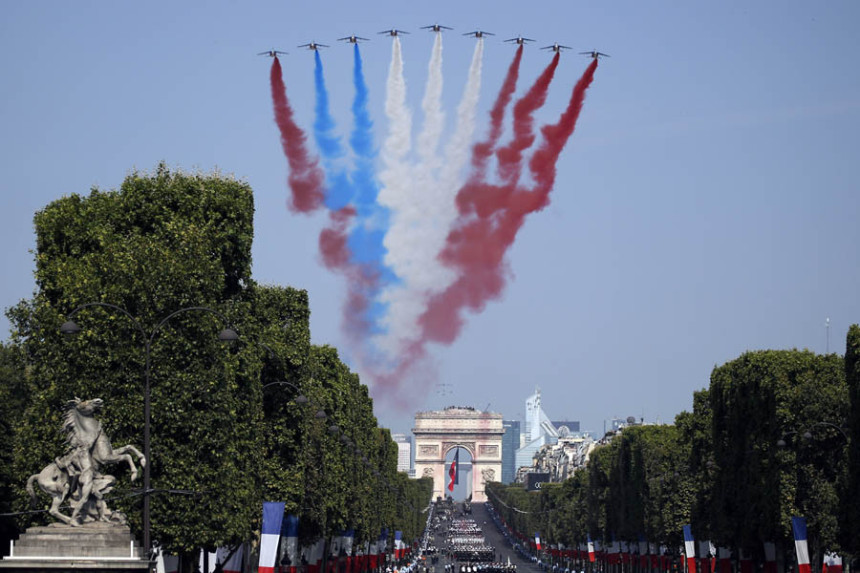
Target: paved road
column 495, row 538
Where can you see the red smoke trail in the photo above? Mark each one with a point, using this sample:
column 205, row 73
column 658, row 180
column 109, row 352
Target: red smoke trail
column 478, row 244
column 481, row 151
column 510, row 156
column 387, row 382
column 306, row 179
column 361, row 279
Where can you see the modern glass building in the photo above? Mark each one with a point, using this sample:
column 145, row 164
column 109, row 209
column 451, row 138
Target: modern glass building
column 510, row 445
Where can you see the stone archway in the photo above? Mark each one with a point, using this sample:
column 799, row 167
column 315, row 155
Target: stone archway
column 438, row 432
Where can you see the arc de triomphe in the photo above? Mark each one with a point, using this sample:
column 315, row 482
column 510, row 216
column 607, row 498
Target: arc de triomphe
column 438, row 432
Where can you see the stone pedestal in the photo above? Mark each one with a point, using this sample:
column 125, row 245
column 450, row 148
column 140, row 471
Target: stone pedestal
column 92, row 547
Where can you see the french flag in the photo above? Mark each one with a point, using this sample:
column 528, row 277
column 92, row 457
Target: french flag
column 798, row 526
column 725, row 555
column 453, row 471
column 290, row 543
column 832, row 563
column 348, row 540
column 273, row 515
column 590, row 547
column 769, row 557
column 398, row 544
column 746, row 562
column 690, row 548
column 643, row 552
column 233, row 564
column 383, row 545
column 537, row 540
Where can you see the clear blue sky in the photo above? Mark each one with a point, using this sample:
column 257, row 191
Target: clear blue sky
column 707, row 205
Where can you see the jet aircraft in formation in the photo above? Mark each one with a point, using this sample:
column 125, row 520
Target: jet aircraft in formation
column 556, row 47
column 352, row 39
column 519, row 40
column 313, row 46
column 272, row 53
column 595, row 54
column 436, row 28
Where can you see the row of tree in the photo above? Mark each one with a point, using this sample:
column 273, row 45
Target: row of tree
column 775, row 435
column 235, row 424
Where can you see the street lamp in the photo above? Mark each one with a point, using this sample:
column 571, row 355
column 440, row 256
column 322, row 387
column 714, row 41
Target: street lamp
column 71, row 328
column 806, row 436
column 300, row 399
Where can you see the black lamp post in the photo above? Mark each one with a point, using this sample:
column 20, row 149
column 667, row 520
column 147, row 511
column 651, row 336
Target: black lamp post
column 300, row 399
column 225, row 335
column 806, row 436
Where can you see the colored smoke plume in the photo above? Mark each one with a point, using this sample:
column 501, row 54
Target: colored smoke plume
column 510, row 156
column 362, row 279
column 482, row 151
column 493, row 214
column 306, row 180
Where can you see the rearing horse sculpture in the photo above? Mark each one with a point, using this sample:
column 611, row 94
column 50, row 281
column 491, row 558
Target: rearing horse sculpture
column 76, row 475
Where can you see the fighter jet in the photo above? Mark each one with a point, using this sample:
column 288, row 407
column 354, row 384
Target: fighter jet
column 272, row 53
column 353, row 39
column 595, row 54
column 393, row 32
column 313, row 46
column 556, row 48
column 436, row 28
column 519, row 40
column 479, row 34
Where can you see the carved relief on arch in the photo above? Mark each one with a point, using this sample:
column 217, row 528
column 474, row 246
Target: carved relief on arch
column 428, row 473
column 468, row 446
column 488, row 450
column 428, row 450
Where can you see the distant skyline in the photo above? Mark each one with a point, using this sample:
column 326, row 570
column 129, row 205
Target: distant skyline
column 705, row 206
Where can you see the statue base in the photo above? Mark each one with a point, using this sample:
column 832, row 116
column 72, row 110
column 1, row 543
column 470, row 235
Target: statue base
column 91, row 547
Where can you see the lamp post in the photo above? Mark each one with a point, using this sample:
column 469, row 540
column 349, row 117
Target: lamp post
column 806, row 436
column 225, row 335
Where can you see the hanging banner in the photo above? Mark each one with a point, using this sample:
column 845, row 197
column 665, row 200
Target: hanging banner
column 690, row 548
column 273, row 515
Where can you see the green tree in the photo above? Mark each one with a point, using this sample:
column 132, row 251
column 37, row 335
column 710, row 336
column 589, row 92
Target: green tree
column 850, row 500
column 14, row 395
column 160, row 243
column 757, row 400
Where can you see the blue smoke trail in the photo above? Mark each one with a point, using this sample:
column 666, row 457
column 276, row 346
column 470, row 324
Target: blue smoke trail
column 338, row 189
column 372, row 219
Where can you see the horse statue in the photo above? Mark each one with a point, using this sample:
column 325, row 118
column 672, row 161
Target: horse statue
column 77, row 474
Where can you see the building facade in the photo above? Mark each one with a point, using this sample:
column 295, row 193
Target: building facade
column 510, row 445
column 404, row 453
column 479, row 433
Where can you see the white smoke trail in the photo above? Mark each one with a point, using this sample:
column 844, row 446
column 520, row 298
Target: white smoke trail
column 414, row 245
column 393, row 177
column 434, row 117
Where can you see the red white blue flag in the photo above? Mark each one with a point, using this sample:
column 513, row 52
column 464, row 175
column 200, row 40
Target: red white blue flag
column 690, row 548
column 537, row 540
column 230, row 563
column 273, row 515
column 590, row 549
column 288, row 555
column 398, row 544
column 832, row 563
column 453, row 471
column 798, row 526
column 769, row 557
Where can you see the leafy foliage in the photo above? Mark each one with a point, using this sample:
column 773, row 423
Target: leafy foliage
column 757, row 400
column 13, row 399
column 226, row 422
column 851, row 501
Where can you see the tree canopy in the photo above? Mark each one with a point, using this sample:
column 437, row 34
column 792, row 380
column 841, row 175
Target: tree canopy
column 151, row 273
